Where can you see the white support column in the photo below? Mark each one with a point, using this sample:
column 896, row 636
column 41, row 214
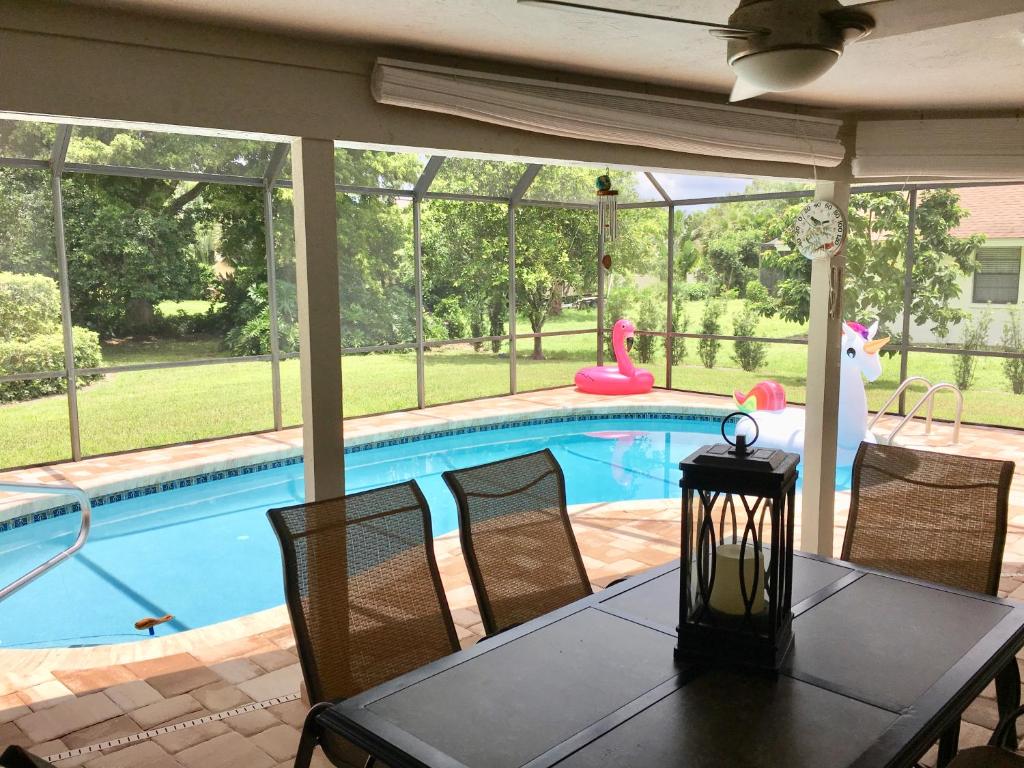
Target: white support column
column 316, row 269
column 817, row 518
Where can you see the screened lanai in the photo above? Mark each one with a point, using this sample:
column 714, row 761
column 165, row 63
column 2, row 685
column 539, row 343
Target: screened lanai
column 461, row 277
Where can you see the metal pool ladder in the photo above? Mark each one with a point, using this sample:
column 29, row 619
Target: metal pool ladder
column 929, row 398
column 83, row 532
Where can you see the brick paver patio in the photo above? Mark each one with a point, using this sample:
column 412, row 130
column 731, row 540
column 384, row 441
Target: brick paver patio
column 60, row 700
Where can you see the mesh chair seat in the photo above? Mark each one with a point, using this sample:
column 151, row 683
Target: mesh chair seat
column 941, row 518
column 517, row 539
column 363, row 591
column 986, row 757
column 931, row 516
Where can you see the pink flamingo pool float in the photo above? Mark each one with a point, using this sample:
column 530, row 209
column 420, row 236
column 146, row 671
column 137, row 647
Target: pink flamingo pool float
column 620, row 379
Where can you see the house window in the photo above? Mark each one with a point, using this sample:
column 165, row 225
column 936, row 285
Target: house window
column 997, row 278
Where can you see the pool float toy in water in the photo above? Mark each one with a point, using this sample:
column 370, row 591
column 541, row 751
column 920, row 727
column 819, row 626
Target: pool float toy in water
column 151, row 622
column 621, row 379
column 765, row 396
column 783, row 428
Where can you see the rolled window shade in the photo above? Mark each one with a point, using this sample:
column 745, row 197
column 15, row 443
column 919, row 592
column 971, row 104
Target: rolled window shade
column 618, row 117
column 990, row 148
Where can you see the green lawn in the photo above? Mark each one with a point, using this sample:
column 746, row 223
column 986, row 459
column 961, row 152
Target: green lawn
column 154, row 350
column 188, row 306
column 147, row 408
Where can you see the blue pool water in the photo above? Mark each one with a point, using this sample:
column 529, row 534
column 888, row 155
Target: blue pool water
column 206, row 553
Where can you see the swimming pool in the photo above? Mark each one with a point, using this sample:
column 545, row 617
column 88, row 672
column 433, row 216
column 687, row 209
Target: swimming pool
column 206, row 553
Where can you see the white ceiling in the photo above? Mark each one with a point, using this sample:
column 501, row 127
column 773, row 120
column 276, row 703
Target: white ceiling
column 973, row 65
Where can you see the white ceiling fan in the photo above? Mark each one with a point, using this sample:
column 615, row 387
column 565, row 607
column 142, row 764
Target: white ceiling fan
column 781, row 45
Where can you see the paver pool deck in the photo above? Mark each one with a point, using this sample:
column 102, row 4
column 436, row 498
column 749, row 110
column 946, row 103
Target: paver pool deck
column 58, row 700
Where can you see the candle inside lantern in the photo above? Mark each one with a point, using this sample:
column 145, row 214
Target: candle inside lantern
column 727, row 592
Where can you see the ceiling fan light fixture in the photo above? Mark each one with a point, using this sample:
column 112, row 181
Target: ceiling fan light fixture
column 783, row 69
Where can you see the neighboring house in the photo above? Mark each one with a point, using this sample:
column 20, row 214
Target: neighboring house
column 998, row 284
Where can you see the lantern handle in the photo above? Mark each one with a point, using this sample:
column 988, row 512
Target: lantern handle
column 746, row 445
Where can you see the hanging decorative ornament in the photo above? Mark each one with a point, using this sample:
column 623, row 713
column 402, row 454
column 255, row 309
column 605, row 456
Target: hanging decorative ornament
column 820, row 230
column 606, row 262
column 607, row 207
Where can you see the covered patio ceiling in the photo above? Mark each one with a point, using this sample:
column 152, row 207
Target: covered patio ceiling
column 978, row 65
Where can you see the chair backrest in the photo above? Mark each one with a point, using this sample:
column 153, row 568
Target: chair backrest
column 933, row 516
column 363, row 590
column 517, row 539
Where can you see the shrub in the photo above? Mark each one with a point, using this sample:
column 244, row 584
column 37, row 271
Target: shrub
column 751, row 355
column 29, row 306
column 696, row 291
column 1013, row 341
column 732, row 254
column 648, row 319
column 711, row 324
column 759, row 299
column 433, row 328
column 676, row 348
column 45, row 352
column 975, row 336
column 456, row 323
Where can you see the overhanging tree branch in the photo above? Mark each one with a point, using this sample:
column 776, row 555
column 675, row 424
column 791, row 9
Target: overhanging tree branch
column 175, row 206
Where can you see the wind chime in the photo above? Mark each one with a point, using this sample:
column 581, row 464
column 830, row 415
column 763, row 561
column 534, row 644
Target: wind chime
column 607, row 213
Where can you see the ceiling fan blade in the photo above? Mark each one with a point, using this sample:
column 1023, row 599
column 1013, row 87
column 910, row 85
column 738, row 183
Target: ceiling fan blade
column 900, row 17
column 571, row 6
column 742, row 90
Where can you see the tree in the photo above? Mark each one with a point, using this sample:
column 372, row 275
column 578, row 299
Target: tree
column 465, row 262
column 26, row 222
column 687, row 254
column 555, row 251
column 875, row 252
column 129, row 240
column 127, row 245
column 731, row 236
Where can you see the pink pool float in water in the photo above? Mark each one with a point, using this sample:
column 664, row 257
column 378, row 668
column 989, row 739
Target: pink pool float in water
column 621, row 379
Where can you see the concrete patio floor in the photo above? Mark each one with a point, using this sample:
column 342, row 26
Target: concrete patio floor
column 78, row 699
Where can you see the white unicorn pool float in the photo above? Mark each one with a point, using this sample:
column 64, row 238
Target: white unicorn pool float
column 782, row 427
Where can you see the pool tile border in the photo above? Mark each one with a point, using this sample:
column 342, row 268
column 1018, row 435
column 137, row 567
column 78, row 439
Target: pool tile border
column 367, row 442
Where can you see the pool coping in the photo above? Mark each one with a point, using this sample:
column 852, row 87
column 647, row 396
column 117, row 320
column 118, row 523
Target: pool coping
column 19, row 510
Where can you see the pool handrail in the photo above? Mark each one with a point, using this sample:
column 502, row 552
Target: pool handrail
column 83, row 532
column 929, row 398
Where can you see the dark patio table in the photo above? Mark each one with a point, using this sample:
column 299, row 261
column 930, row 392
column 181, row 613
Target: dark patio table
column 880, row 667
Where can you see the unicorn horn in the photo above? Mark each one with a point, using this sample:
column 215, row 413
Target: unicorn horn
column 871, row 347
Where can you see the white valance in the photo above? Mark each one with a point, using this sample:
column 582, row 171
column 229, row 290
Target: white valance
column 990, row 148
column 619, row 117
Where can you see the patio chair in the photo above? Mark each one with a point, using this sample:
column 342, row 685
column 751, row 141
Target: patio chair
column 364, row 596
column 520, row 550
column 993, row 755
column 936, row 517
column 16, row 757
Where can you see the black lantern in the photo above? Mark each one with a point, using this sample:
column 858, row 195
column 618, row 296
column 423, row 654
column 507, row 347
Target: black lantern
column 736, row 574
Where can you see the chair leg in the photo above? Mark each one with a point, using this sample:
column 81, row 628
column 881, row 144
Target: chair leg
column 310, row 736
column 948, row 744
column 1008, row 697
